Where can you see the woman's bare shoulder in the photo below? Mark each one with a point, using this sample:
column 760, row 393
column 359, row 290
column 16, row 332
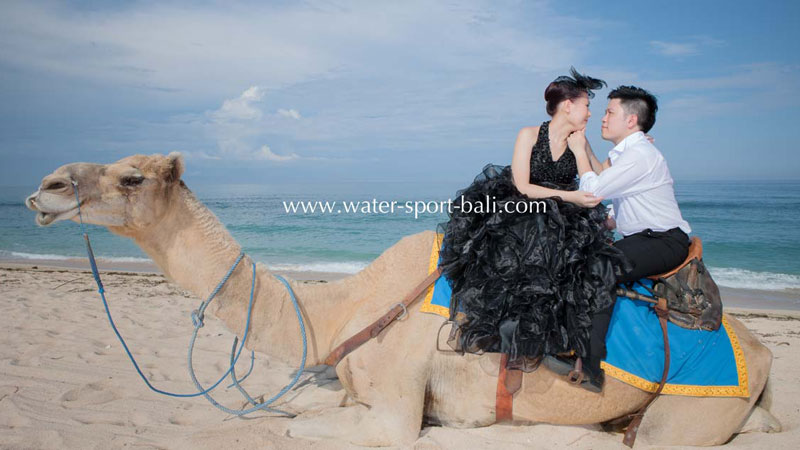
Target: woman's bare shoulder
column 528, row 134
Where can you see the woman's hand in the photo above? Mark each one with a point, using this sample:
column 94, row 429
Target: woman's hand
column 576, row 141
column 584, row 199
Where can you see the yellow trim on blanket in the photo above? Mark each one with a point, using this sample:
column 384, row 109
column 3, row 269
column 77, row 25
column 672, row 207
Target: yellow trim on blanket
column 432, row 263
column 741, row 390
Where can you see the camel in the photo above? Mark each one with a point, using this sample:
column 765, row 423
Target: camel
column 395, row 382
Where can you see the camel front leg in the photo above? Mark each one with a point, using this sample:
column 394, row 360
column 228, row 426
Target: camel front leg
column 387, row 411
column 357, row 424
column 331, row 423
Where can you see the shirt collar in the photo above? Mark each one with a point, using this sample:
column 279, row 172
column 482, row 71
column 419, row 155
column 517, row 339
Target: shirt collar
column 623, row 144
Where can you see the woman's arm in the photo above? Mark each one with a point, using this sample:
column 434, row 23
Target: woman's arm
column 521, row 171
column 580, row 148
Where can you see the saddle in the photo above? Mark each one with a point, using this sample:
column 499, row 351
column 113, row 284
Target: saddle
column 692, row 295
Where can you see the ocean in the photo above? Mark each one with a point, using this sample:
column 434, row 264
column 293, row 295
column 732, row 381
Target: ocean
column 750, row 229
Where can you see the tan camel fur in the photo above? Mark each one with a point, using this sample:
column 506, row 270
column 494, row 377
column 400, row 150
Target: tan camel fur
column 395, row 382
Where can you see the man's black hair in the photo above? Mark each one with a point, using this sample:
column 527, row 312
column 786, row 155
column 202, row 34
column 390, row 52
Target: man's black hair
column 635, row 100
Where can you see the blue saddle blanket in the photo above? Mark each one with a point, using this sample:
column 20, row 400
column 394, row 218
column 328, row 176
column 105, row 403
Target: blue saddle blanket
column 702, row 363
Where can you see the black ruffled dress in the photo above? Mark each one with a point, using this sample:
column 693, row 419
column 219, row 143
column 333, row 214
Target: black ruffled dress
column 526, row 283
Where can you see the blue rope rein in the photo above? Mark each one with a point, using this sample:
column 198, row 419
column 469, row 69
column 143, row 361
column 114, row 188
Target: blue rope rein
column 197, row 317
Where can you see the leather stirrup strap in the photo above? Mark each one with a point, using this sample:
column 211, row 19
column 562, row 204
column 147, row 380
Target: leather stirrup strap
column 630, row 434
column 376, row 327
column 508, row 383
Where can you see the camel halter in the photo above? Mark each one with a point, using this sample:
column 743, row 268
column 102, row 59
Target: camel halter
column 197, row 321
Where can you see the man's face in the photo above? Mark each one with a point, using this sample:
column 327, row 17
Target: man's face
column 616, row 125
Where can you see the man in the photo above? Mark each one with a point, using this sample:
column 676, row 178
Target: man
column 636, row 178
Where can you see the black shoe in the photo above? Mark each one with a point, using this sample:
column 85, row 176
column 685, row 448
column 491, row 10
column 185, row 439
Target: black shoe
column 593, row 382
column 561, row 365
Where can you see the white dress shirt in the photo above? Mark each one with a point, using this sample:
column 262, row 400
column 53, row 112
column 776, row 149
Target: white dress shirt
column 640, row 187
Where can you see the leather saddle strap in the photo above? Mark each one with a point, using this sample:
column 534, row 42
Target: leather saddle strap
column 630, row 434
column 508, row 383
column 376, row 327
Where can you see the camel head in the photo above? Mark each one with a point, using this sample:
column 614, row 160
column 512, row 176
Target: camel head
column 127, row 196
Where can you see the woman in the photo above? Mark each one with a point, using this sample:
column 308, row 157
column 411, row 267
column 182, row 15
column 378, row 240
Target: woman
column 526, row 284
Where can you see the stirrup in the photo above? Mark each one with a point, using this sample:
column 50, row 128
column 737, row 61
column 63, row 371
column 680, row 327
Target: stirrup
column 575, row 376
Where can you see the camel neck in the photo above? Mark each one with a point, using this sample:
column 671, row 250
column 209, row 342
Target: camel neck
column 190, row 245
column 195, row 251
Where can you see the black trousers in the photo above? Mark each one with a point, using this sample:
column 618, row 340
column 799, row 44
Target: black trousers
column 650, row 253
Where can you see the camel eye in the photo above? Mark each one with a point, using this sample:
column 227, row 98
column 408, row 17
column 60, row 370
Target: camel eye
column 132, row 181
column 55, row 186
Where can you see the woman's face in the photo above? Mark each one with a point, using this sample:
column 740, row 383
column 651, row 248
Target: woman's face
column 578, row 111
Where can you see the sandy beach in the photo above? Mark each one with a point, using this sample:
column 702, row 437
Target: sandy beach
column 65, row 381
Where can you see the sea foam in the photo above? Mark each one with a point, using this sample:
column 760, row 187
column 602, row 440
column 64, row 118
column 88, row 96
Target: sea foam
column 748, row 279
column 338, row 267
column 46, row 256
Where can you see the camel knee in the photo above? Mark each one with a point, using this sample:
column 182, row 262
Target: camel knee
column 676, row 420
column 761, row 421
column 759, row 366
column 766, row 398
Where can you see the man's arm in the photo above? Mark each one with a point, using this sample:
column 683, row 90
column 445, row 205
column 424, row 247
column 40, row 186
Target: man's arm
column 579, row 146
column 622, row 179
column 597, row 166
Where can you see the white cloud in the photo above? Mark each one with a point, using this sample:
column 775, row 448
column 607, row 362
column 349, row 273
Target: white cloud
column 753, row 76
column 291, row 113
column 365, row 69
column 691, row 107
column 692, row 45
column 747, row 88
column 674, row 48
column 199, row 155
column 172, row 49
column 240, row 108
column 266, row 153
column 239, row 123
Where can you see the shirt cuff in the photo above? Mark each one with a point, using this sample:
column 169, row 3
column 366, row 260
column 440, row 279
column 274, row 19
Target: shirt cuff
column 588, row 182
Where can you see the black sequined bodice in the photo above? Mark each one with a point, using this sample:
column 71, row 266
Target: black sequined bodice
column 543, row 169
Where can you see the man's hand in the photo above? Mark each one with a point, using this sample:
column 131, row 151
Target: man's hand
column 650, row 138
column 610, row 223
column 584, row 199
column 577, row 141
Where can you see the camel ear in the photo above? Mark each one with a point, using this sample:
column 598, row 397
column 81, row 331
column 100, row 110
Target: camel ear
column 174, row 167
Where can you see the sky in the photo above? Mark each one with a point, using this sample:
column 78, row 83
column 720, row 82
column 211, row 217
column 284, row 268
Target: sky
column 328, row 91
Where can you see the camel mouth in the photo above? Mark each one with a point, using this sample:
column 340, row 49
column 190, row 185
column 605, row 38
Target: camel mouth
column 47, row 218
